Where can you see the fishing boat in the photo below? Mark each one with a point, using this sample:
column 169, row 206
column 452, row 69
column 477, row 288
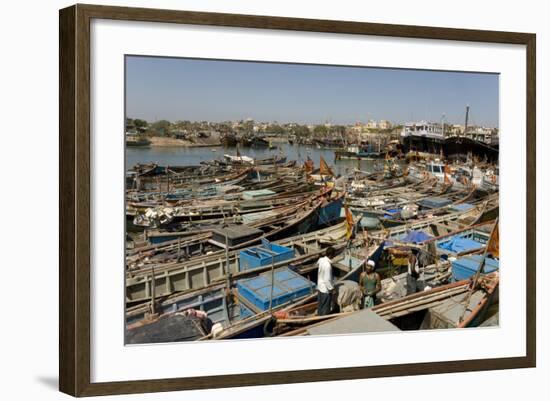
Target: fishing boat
column 329, row 143
column 453, row 294
column 137, row 140
column 205, row 270
column 358, row 152
column 458, row 176
column 490, row 180
column 258, row 142
column 252, row 140
column 239, row 159
column 229, row 140
column 264, row 322
column 207, row 211
column 396, row 210
column 228, row 248
column 172, row 181
column 453, row 305
column 165, row 248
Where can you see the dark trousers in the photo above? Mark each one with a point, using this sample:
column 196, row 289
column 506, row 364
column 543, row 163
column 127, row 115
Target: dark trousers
column 411, row 284
column 324, row 301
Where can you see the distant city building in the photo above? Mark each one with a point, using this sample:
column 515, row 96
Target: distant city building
column 455, row 129
column 384, row 124
column 371, row 124
column 423, row 129
column 435, row 131
column 495, row 137
column 357, row 129
column 481, row 134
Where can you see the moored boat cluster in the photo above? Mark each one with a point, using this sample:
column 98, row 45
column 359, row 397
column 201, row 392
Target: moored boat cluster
column 231, row 248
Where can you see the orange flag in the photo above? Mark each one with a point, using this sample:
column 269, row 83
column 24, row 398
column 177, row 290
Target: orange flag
column 447, row 170
column 308, row 165
column 324, row 168
column 493, row 246
column 349, row 222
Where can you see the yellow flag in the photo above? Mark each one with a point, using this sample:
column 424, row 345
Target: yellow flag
column 493, row 246
column 324, row 168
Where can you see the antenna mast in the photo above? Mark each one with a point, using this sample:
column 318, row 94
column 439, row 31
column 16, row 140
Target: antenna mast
column 466, row 122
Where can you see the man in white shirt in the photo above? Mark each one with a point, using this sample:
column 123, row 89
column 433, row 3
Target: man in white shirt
column 413, row 272
column 325, row 283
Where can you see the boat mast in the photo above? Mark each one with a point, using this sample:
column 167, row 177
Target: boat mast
column 466, row 122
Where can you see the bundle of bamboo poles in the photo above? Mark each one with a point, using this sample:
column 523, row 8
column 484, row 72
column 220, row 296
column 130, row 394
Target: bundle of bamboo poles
column 421, row 300
column 389, row 310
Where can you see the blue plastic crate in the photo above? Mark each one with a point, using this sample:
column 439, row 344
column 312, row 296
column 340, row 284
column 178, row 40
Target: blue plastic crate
column 287, row 286
column 264, row 255
column 465, row 267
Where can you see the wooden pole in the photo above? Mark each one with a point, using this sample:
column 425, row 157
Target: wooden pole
column 272, row 282
column 478, row 272
column 153, row 290
column 226, row 254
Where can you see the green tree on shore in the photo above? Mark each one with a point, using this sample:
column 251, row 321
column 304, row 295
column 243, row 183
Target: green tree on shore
column 161, row 127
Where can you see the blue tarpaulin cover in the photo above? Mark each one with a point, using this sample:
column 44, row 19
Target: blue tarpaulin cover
column 465, row 267
column 459, row 244
column 390, row 213
column 416, row 237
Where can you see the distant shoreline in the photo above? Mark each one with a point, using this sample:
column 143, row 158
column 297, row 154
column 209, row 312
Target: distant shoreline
column 158, row 141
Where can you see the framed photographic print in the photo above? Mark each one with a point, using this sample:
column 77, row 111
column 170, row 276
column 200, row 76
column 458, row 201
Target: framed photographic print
column 239, row 192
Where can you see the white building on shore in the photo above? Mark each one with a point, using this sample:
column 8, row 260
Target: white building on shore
column 424, row 129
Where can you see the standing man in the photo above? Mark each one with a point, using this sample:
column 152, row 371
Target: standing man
column 370, row 284
column 413, row 273
column 325, row 283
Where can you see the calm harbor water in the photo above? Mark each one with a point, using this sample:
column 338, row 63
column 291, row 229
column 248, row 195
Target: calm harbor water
column 182, row 156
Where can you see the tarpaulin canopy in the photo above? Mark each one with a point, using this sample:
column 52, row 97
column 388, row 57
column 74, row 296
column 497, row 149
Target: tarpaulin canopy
column 466, row 267
column 459, row 244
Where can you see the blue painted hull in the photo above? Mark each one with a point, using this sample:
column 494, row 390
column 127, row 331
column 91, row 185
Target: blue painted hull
column 330, row 213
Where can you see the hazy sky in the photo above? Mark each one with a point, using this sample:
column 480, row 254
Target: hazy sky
column 187, row 89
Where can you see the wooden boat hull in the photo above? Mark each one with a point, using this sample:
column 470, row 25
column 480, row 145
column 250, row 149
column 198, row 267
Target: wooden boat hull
column 201, row 272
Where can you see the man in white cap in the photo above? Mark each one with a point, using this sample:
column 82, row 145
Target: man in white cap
column 370, row 284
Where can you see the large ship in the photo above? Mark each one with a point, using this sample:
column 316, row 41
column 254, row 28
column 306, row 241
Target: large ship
column 436, row 139
column 423, row 136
